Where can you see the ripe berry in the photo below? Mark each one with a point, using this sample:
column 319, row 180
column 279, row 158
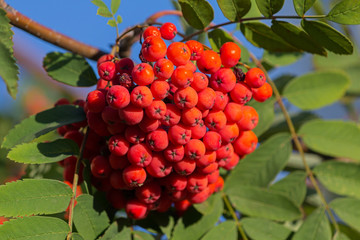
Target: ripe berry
column 141, row 96
column 139, row 155
column 134, row 176
column 168, row 31
column 249, row 119
column 178, row 53
column 136, row 209
column 143, row 74
column 157, row 140
column 196, row 49
column 118, row 97
column 131, row 114
column 118, row 145
column 200, row 81
column 262, row 93
column 100, row 167
column 160, row 89
column 96, row 101
column 241, row 93
column 230, row 54
column 186, row 98
column 209, row 62
column 148, row 193
column 107, row 70
column 245, row 143
column 158, row 166
column 255, row 78
column 223, row 80
column 182, row 77
column 163, row 68
column 153, row 48
column 151, row 31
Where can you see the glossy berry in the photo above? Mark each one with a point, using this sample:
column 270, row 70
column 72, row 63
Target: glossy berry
column 151, row 31
column 168, row 31
column 107, row 70
column 262, row 93
column 230, row 54
column 178, row 53
column 255, row 78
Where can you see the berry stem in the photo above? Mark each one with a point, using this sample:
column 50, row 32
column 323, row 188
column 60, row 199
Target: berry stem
column 75, row 182
column 232, row 211
column 246, row 20
column 49, row 35
column 297, row 143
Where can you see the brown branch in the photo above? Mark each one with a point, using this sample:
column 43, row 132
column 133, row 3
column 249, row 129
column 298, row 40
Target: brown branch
column 20, row 21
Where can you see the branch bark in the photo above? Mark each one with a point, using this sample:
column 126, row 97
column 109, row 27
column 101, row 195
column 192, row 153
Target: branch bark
column 49, row 35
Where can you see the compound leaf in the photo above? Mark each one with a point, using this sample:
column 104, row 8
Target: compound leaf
column 261, row 167
column 234, row 10
column 315, row 227
column 269, row 7
column 297, row 37
column 197, row 13
column 34, row 228
column 302, row 6
column 225, row 230
column 70, row 69
column 42, row 123
column 87, row 220
column 263, row 203
column 348, row 209
column 333, row 138
column 345, row 12
column 259, row 229
column 115, row 4
column 261, row 35
column 317, row 89
column 340, row 177
column 328, row 37
column 34, row 196
column 47, row 152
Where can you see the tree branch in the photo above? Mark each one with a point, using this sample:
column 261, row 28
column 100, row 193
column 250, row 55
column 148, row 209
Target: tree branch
column 21, row 21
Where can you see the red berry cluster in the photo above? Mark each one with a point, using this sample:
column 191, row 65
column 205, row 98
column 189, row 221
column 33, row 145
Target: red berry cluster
column 160, row 130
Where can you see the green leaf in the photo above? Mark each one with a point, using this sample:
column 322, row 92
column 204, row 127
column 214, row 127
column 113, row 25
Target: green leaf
column 47, row 152
column 296, row 162
column 257, row 202
column 350, row 232
column 117, row 231
column 354, row 73
column 6, row 34
column 348, row 209
column 119, row 19
column 297, row 37
column 317, row 89
column 76, row 236
column 42, row 123
column 218, row 37
column 292, row 186
column 315, row 227
column 87, row 220
column 345, row 12
column 197, row 13
column 70, row 69
column 115, row 4
column 34, row 228
column 269, row 7
column 193, row 224
column 266, row 114
column 34, row 196
column 225, row 230
column 277, row 59
column 234, row 10
column 139, row 235
column 262, row 166
column 341, row 236
column 99, row 3
column 9, row 70
column 104, row 12
column 112, row 23
column 280, row 124
column 260, row 229
column 340, row 177
column 302, row 6
column 254, row 10
column 328, row 37
column 261, row 35
column 335, row 61
column 333, row 138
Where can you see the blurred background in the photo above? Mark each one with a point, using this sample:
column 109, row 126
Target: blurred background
column 78, row 20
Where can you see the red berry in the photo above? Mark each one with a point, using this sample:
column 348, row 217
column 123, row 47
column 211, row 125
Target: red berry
column 168, row 31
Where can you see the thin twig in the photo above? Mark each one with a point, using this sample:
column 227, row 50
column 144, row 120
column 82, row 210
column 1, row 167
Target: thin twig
column 49, row 35
column 75, row 182
column 232, row 211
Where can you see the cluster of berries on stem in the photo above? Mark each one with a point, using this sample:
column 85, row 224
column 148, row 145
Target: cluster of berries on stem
column 160, row 130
